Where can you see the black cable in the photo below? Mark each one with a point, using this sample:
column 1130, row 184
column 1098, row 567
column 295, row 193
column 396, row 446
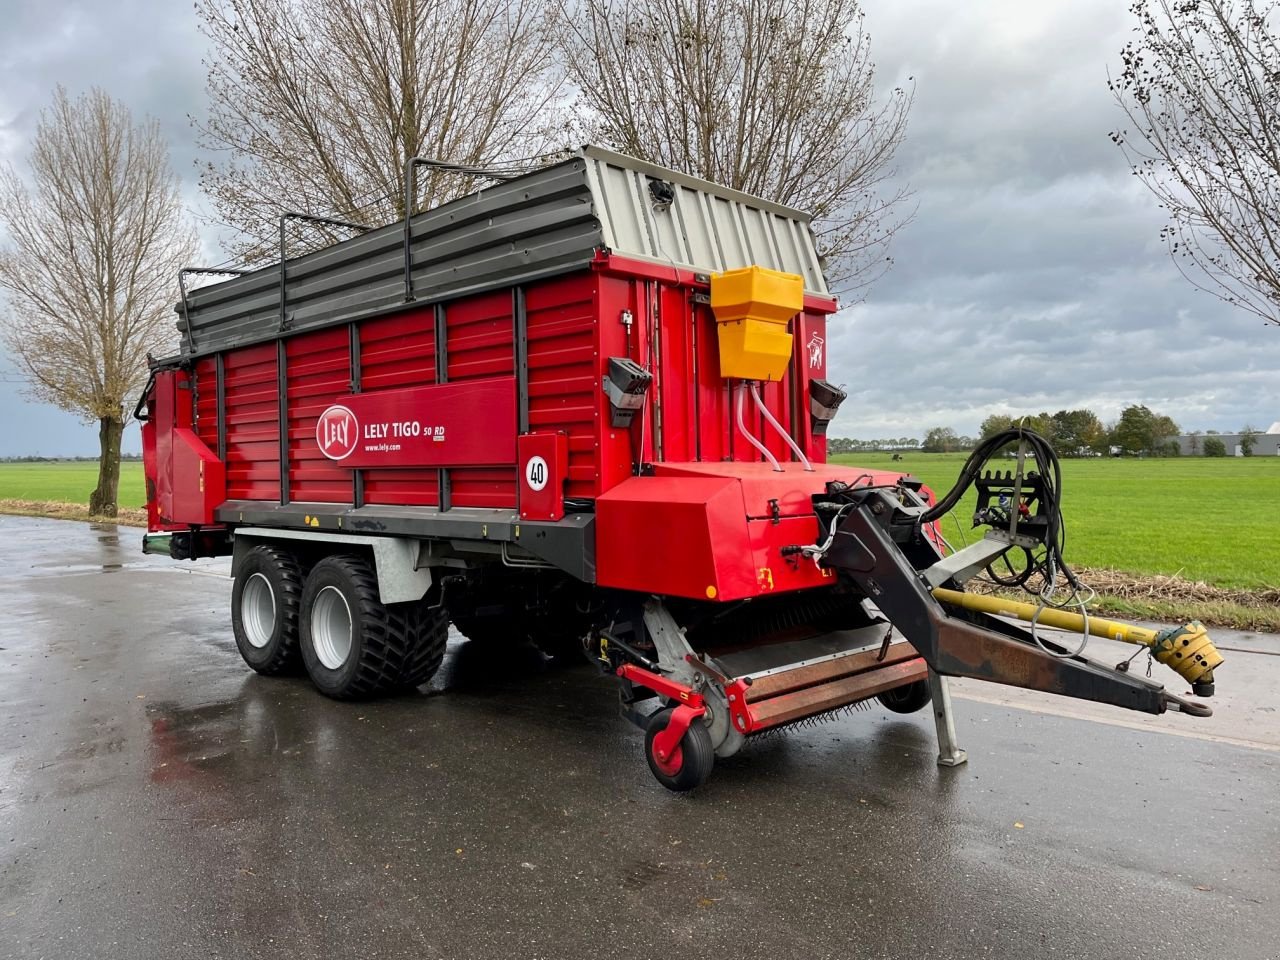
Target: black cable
column 1049, row 470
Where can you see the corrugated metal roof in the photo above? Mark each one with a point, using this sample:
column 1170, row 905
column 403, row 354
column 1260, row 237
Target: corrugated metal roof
column 538, row 225
column 544, row 223
column 708, row 227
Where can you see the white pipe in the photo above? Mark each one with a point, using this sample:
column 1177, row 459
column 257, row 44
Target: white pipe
column 742, row 429
column 795, row 447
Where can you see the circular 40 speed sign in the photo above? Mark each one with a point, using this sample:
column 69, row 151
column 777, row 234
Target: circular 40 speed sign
column 535, row 473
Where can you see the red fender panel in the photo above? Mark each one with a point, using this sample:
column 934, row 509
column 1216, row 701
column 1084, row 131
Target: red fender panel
column 681, row 536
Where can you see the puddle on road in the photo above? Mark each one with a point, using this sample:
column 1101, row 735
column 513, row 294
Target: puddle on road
column 223, row 744
column 72, row 569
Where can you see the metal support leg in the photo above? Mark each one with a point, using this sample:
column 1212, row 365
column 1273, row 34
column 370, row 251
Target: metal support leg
column 949, row 755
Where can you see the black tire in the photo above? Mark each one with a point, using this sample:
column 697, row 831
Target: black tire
column 908, row 698
column 265, row 601
column 697, row 754
column 432, row 629
column 353, row 645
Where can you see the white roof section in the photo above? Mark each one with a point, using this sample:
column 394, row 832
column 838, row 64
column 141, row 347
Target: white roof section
column 1274, row 428
column 707, row 227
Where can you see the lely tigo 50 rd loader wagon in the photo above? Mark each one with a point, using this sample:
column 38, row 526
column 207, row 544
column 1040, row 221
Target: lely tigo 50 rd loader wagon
column 586, row 407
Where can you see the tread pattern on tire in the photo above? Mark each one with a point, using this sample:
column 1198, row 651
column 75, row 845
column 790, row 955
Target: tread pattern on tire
column 403, row 643
column 427, row 651
column 288, row 591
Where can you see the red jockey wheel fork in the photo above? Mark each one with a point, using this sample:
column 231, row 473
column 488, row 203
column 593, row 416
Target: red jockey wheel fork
column 667, row 755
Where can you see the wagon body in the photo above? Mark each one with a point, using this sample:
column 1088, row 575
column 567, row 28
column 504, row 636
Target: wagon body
column 584, row 408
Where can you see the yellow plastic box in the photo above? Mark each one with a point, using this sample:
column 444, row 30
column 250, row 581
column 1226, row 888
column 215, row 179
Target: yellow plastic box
column 753, row 307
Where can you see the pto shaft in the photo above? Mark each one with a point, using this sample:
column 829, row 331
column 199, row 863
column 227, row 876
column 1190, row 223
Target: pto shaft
column 1187, row 649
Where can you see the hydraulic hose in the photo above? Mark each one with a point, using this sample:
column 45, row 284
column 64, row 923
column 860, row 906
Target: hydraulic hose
column 1050, row 471
column 742, row 429
column 795, row 448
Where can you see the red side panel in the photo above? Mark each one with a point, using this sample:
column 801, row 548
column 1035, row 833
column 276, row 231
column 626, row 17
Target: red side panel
column 691, row 411
column 163, row 411
column 481, row 336
column 199, row 481
column 150, row 470
column 481, row 345
column 564, row 378
column 810, row 329
column 206, row 400
column 492, row 487
column 680, row 331
column 619, row 446
column 413, row 488
column 253, row 423
column 399, row 351
column 574, row 324
column 318, row 367
column 189, row 481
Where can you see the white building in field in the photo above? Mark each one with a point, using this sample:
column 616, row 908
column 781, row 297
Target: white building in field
column 1265, row 444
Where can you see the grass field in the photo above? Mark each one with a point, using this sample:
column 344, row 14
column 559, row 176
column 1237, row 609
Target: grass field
column 67, row 482
column 1216, row 520
column 1211, row 519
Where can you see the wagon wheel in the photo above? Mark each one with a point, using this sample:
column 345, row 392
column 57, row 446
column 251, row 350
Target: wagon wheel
column 687, row 765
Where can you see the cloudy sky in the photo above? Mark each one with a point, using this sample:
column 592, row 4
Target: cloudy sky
column 1031, row 277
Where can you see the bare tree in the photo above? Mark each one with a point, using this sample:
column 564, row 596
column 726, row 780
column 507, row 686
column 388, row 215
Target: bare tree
column 317, row 104
column 1201, row 87
column 95, row 243
column 772, row 97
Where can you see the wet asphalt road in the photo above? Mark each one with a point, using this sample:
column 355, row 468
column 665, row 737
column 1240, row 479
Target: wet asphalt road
column 158, row 800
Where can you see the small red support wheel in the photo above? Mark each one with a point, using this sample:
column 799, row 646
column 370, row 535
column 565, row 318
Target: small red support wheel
column 689, row 763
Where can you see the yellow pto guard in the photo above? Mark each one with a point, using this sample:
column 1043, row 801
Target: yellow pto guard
column 1187, row 649
column 753, row 307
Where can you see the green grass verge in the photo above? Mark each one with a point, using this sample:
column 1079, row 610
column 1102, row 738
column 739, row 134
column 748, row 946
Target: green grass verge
column 68, row 482
column 1216, row 520
column 1212, row 613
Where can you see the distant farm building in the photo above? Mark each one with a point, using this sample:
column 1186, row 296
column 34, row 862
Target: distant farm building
column 1264, row 444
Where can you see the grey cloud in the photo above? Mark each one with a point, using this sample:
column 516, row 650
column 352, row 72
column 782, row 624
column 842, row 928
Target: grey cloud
column 1032, row 276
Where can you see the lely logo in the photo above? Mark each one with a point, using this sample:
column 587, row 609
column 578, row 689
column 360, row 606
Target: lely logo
column 337, row 432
